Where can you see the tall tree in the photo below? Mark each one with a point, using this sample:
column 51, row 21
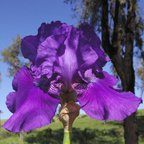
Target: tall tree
column 120, row 25
column 12, row 56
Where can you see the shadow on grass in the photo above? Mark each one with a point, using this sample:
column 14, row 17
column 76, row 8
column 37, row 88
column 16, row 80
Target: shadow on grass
column 86, row 136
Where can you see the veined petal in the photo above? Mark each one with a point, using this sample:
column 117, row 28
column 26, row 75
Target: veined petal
column 68, row 61
column 101, row 101
column 31, row 106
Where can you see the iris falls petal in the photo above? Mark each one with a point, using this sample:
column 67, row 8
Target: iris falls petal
column 102, row 102
column 31, row 106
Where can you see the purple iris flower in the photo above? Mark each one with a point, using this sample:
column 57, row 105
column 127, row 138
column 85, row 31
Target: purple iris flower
column 64, row 58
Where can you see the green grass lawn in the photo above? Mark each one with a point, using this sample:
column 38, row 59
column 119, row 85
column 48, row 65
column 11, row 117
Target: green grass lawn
column 85, row 131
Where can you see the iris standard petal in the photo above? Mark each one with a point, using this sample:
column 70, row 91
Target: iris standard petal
column 101, row 101
column 68, row 61
column 30, row 44
column 91, row 41
column 32, row 107
column 47, row 55
column 86, row 55
column 49, row 29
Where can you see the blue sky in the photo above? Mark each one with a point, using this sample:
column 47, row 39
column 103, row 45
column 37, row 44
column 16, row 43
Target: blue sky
column 19, row 17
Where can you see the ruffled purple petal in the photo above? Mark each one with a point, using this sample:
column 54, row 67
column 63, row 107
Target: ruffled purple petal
column 101, row 101
column 57, row 54
column 63, row 49
column 86, row 55
column 47, row 55
column 46, row 29
column 90, row 48
column 31, row 106
column 30, row 44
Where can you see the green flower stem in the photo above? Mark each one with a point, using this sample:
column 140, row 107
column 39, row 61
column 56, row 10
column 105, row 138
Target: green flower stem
column 67, row 138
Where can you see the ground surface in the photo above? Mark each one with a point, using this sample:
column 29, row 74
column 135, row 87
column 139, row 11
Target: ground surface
column 85, row 131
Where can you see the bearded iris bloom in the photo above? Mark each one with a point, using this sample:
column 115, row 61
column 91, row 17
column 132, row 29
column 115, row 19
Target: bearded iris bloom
column 64, row 59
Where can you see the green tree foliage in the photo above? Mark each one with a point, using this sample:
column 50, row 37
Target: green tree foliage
column 121, row 26
column 12, row 56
